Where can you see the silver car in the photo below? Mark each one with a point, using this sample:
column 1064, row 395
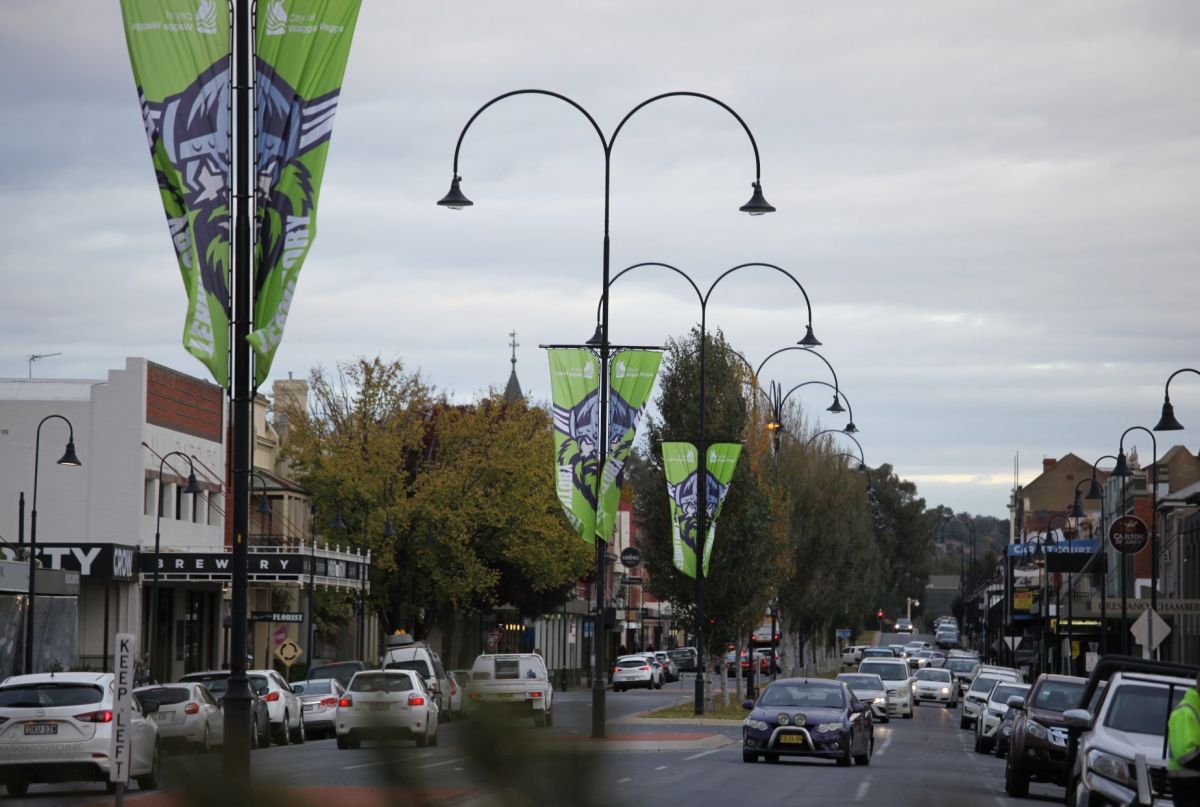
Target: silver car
column 869, row 689
column 318, row 704
column 187, row 714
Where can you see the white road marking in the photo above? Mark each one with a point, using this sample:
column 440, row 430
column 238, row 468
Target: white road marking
column 364, row 765
column 863, row 787
column 440, row 764
column 886, row 742
column 702, row 754
column 661, row 768
column 626, row 779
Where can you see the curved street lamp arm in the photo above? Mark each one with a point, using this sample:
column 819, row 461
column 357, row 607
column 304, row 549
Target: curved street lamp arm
column 802, row 350
column 836, row 391
column 599, row 132
column 676, row 270
column 861, row 456
column 702, row 96
column 1167, row 388
column 1097, row 462
column 807, row 302
column 1153, row 440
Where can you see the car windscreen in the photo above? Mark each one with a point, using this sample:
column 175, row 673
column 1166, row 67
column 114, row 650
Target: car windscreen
column 959, row 665
column 632, row 663
column 804, row 695
column 857, row 682
column 28, row 696
column 1003, row 692
column 259, row 682
column 983, row 683
column 1058, row 696
column 678, row 654
column 508, row 669
column 417, row 665
column 312, row 687
column 1141, row 709
column 891, row 671
column 381, row 682
column 165, row 696
column 343, row 671
column 875, row 652
column 934, row 675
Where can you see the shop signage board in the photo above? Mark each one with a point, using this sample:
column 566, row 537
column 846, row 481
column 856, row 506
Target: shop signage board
column 1128, row 534
column 277, row 616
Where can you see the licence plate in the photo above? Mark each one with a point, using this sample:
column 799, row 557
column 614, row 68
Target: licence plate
column 41, row 728
column 503, row 695
column 380, row 707
column 308, row 707
column 791, row 739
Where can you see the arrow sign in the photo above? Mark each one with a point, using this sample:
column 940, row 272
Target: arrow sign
column 1013, row 642
column 1141, row 629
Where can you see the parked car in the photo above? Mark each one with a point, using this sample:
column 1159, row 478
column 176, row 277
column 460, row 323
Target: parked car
column 808, row 717
column 404, row 653
column 670, row 671
column 935, row 686
column 1039, row 735
column 341, row 671
column 187, row 714
column 283, row 707
column 217, row 682
column 993, row 711
column 963, row 670
column 767, row 661
column 457, row 695
column 318, row 704
column 1004, row 732
column 852, row 654
column 869, row 689
column 898, row 680
column 515, row 681
column 904, row 625
column 977, row 694
column 685, row 658
column 633, row 672
column 383, row 704
column 1116, row 750
column 56, row 727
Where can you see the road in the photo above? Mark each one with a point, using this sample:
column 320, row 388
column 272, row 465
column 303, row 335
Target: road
column 924, row 761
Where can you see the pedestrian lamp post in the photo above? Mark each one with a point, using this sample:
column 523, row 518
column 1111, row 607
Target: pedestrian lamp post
column 1122, row 470
column 338, row 524
column 1096, row 491
column 909, row 603
column 193, row 487
column 70, row 460
column 1167, row 422
column 823, row 432
column 777, row 400
column 808, row 341
column 966, row 581
column 1044, row 637
column 757, row 206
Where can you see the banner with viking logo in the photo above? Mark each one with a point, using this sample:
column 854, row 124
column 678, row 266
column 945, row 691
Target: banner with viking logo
column 180, row 55
column 575, row 394
column 681, row 464
column 301, row 48
column 631, row 379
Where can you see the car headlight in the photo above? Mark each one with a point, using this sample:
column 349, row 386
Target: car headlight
column 881, row 699
column 945, row 690
column 1110, row 767
column 783, row 719
column 757, row 725
column 1036, row 730
column 825, row 728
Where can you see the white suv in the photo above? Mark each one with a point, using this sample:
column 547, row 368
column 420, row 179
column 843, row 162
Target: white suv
column 284, row 709
column 56, row 727
column 898, row 680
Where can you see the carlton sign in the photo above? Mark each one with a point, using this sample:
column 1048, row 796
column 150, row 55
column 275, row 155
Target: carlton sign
column 1128, row 534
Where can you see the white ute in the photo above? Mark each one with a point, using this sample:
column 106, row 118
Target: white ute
column 516, row 681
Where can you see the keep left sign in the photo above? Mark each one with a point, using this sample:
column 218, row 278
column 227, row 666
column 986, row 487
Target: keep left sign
column 122, row 735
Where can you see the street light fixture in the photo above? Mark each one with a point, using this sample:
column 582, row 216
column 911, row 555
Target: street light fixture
column 1122, row 470
column 455, row 199
column 338, row 524
column 777, row 399
column 193, row 487
column 70, row 460
column 1167, row 422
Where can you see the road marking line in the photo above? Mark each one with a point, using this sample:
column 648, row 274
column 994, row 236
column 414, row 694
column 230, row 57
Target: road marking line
column 661, row 768
column 364, row 765
column 887, row 742
column 863, row 787
column 626, row 779
column 702, row 754
column 440, row 764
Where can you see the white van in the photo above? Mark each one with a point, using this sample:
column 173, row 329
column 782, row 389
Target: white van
column 517, row 681
column 404, row 653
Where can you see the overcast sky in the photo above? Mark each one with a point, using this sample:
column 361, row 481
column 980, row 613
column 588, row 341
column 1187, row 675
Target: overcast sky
column 993, row 207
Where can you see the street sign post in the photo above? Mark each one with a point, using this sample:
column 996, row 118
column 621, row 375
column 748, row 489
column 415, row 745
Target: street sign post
column 1013, row 642
column 631, row 557
column 626, row 580
column 1128, row 534
column 1149, row 630
column 844, row 633
column 288, row 652
column 122, row 738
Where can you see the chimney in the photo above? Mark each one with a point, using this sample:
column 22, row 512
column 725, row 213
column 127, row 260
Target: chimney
column 1048, row 463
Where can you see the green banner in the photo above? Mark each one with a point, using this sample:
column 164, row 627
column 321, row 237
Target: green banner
column 181, row 62
column 301, row 51
column 630, row 381
column 681, row 464
column 575, row 393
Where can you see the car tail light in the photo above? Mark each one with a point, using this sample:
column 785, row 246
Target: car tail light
column 474, row 696
column 271, row 697
column 616, row 669
column 330, row 702
column 535, row 694
column 345, row 701
column 644, row 669
column 192, row 709
column 100, row 716
column 416, row 700
column 453, row 688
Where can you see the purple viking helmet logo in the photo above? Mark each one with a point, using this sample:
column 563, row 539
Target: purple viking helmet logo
column 580, row 424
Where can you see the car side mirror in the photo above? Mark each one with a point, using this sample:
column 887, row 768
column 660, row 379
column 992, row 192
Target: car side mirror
column 1016, row 702
column 1078, row 719
column 149, row 707
column 747, row 705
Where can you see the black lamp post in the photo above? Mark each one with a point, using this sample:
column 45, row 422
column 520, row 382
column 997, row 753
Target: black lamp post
column 193, row 487
column 1043, row 642
column 1122, row 470
column 1167, row 422
column 456, row 200
column 338, row 524
column 70, row 460
column 812, row 439
column 778, row 400
column 807, row 341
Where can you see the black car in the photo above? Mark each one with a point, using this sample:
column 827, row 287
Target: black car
column 684, row 658
column 217, row 681
column 808, row 717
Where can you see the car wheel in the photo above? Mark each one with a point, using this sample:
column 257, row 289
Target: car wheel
column 17, row 789
column 1016, row 781
column 150, row 780
column 264, row 739
column 865, row 759
column 845, row 759
column 539, row 721
column 254, row 737
column 618, row 689
column 749, row 756
column 206, row 743
column 908, row 715
column 284, row 735
column 550, row 716
column 300, row 736
column 771, row 758
column 964, row 724
column 885, row 719
column 434, row 739
column 978, row 743
column 343, row 743
column 423, row 740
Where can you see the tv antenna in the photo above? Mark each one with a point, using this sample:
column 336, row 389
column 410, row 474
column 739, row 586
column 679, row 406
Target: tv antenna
column 35, row 356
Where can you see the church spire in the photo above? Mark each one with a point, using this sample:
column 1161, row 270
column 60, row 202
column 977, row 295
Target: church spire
column 512, row 392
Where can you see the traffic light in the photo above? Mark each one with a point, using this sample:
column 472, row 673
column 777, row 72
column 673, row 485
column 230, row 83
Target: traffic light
column 879, row 614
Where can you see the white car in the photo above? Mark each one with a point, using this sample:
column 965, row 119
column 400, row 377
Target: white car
column 284, row 709
column 935, row 686
column 977, row 693
column 631, row 672
column 187, row 713
column 869, row 689
column 852, row 654
column 670, row 671
column 318, row 704
column 458, row 694
column 896, row 678
column 993, row 711
column 382, row 704
column 56, row 727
